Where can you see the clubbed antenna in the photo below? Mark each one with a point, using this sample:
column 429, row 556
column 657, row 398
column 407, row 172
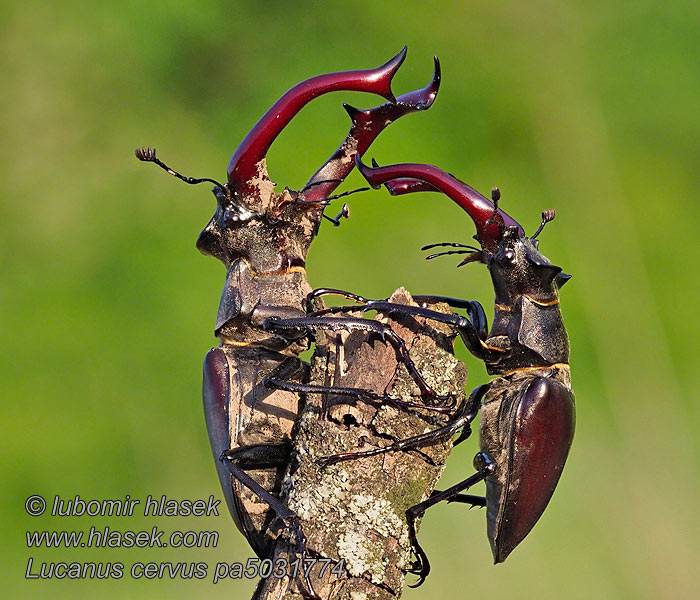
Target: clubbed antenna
column 547, row 216
column 149, row 155
column 343, row 214
column 495, row 216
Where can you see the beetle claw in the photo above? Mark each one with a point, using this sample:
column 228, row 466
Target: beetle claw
column 420, row 567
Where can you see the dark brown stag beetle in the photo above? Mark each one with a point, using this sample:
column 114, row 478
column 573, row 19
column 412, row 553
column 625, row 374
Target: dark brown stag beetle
column 253, row 379
column 528, row 414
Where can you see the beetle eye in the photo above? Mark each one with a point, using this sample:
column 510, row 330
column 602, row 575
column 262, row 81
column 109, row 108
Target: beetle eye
column 231, row 216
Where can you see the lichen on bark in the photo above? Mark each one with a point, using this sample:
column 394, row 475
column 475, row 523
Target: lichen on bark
column 354, row 511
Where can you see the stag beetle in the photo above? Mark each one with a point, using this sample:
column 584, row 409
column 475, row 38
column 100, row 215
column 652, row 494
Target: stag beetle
column 253, row 379
column 527, row 413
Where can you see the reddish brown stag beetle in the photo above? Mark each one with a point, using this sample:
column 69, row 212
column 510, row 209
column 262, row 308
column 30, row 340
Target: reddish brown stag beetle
column 527, row 413
column 253, row 379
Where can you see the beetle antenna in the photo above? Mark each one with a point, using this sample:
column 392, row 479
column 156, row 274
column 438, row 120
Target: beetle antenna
column 343, row 214
column 320, row 182
column 149, row 155
column 430, row 257
column 451, row 244
column 495, row 217
column 327, row 200
column 547, row 216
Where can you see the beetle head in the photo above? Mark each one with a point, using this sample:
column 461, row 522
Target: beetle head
column 274, row 230
column 267, row 229
column 252, row 222
column 518, row 268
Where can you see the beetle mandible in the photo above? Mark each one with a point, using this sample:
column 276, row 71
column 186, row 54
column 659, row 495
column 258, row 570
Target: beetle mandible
column 252, row 380
column 528, row 412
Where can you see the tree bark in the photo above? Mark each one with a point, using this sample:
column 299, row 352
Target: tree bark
column 353, row 512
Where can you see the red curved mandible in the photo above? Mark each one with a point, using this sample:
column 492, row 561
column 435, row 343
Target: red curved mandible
column 366, row 126
column 409, row 174
column 243, row 165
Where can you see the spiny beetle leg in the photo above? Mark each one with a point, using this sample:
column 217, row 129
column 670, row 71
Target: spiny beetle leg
column 288, row 518
column 479, row 501
column 461, row 420
column 288, row 370
column 260, row 456
column 318, row 321
column 469, row 332
column 473, row 403
column 317, row 293
column 473, row 330
column 474, row 309
column 361, row 393
column 405, row 444
column 421, row 567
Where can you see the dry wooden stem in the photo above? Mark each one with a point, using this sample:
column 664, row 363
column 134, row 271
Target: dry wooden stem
column 354, row 511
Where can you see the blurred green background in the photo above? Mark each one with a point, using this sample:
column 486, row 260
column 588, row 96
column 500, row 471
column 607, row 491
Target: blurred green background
column 107, row 309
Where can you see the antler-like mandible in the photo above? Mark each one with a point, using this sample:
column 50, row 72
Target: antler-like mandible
column 366, row 126
column 244, row 163
column 479, row 208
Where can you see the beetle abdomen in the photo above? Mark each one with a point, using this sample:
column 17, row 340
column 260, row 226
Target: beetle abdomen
column 528, row 434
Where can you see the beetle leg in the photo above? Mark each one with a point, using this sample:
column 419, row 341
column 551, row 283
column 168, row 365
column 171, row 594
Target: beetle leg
column 479, row 501
column 405, row 444
column 461, row 420
column 279, row 379
column 288, row 518
column 421, row 567
column 361, row 393
column 289, row 368
column 260, row 456
column 317, row 293
column 317, row 321
column 475, row 398
column 474, row 309
column 469, row 332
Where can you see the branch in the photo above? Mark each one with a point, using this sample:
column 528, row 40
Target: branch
column 354, row 511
